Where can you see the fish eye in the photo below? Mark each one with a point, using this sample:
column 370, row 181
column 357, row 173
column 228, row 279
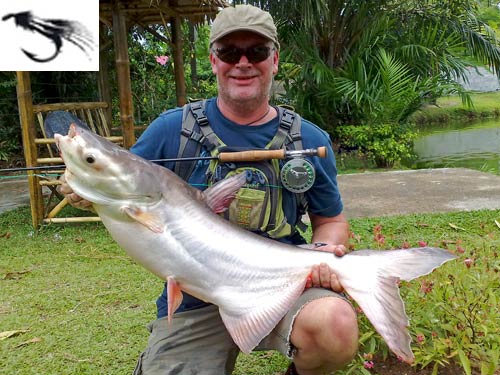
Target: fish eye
column 90, row 159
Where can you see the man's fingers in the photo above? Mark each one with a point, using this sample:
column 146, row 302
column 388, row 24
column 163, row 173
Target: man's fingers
column 315, row 280
column 324, row 275
column 64, row 189
column 76, row 201
column 335, row 284
column 339, row 250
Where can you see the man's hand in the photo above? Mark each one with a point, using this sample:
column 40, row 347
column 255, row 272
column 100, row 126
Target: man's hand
column 322, row 276
column 73, row 199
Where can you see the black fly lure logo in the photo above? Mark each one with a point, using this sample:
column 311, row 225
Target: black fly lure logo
column 56, row 30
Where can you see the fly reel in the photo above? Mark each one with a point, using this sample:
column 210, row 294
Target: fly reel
column 298, row 175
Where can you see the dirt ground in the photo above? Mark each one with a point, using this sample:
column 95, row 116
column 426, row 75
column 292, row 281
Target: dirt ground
column 392, row 366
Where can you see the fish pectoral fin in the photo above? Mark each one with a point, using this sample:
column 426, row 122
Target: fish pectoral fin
column 147, row 219
column 219, row 196
column 174, row 297
column 248, row 328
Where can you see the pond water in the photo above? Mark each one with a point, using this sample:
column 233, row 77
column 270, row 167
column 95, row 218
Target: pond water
column 469, row 145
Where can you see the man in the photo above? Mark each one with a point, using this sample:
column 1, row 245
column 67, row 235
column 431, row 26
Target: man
column 320, row 332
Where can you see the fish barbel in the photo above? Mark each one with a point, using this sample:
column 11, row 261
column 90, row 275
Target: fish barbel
column 170, row 228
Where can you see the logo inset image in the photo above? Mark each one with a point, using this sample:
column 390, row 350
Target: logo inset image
column 54, row 29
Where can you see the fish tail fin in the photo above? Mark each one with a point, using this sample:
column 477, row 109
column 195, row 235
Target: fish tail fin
column 377, row 291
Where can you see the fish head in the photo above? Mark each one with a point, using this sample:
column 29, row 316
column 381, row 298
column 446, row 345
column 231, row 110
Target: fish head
column 103, row 172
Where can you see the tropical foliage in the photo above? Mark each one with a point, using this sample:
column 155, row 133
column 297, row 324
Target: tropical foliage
column 360, row 63
column 152, row 70
column 9, row 141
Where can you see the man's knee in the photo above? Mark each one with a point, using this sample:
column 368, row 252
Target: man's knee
column 328, row 329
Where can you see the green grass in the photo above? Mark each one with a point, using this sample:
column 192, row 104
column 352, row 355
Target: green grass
column 486, row 105
column 85, row 304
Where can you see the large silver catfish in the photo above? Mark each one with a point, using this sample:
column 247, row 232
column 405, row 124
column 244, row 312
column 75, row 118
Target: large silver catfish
column 170, row 228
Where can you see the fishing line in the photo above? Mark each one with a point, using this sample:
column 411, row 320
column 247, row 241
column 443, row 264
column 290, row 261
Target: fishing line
column 44, row 175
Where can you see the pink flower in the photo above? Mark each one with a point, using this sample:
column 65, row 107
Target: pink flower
column 420, row 338
column 368, row 364
column 460, row 249
column 162, row 60
column 379, row 237
column 422, row 243
column 468, row 262
column 426, row 286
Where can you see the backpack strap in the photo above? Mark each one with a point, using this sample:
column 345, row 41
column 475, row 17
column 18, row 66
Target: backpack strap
column 289, row 136
column 195, row 133
column 289, row 127
column 209, row 139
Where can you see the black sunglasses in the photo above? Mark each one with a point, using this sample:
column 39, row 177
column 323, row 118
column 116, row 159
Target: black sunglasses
column 232, row 55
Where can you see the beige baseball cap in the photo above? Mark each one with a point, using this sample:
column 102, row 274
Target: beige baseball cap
column 243, row 17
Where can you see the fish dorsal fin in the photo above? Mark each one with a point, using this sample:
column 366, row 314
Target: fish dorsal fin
column 219, row 196
column 248, row 328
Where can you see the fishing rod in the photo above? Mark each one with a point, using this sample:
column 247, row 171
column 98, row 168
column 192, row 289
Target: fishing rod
column 223, row 157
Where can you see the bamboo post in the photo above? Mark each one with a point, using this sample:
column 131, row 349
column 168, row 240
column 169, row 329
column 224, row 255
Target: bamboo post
column 180, row 81
column 103, row 75
column 25, row 103
column 123, row 73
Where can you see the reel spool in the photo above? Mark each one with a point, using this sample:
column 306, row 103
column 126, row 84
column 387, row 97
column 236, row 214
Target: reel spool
column 298, row 175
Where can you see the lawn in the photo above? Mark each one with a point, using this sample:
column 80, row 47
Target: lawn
column 485, row 105
column 72, row 302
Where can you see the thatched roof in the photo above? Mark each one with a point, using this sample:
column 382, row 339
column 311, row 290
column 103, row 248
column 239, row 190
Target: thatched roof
column 146, row 12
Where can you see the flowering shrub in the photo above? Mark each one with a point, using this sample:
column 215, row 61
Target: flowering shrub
column 162, row 60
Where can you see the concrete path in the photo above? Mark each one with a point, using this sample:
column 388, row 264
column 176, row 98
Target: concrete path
column 373, row 194
column 418, row 191
column 14, row 192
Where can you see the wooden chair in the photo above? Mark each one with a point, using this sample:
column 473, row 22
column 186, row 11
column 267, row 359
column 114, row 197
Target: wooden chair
column 46, row 203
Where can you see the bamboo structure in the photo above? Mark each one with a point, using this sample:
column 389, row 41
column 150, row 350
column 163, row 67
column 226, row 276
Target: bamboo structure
column 24, row 96
column 37, row 144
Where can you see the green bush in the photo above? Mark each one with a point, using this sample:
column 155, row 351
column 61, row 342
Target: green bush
column 10, row 132
column 384, row 144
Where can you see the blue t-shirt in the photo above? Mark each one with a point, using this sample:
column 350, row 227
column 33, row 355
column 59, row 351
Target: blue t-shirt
column 161, row 140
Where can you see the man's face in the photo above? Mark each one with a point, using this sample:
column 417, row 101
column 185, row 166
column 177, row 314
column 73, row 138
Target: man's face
column 244, row 81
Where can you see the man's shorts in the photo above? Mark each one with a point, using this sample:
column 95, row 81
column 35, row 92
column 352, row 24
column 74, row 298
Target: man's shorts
column 197, row 342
